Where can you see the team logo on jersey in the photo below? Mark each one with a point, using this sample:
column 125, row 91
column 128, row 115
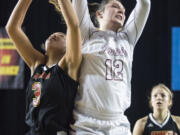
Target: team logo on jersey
column 36, row 87
column 150, row 125
column 113, row 51
column 44, row 75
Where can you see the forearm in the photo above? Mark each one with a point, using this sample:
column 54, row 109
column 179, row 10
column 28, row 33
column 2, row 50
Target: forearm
column 85, row 23
column 142, row 13
column 23, row 45
column 17, row 16
column 73, row 36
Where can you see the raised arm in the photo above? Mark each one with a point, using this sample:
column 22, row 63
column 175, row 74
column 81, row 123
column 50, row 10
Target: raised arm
column 137, row 20
column 23, row 45
column 85, row 23
column 73, row 54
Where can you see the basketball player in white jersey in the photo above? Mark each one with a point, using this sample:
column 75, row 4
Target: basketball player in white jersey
column 105, row 76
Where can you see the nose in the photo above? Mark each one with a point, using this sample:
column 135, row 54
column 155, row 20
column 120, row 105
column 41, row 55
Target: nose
column 159, row 97
column 54, row 36
column 120, row 12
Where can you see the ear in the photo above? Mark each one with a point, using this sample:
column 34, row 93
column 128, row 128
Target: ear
column 99, row 14
column 150, row 104
column 170, row 103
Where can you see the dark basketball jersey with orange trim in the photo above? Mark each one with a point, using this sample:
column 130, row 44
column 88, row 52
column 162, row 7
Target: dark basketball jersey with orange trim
column 168, row 127
column 50, row 101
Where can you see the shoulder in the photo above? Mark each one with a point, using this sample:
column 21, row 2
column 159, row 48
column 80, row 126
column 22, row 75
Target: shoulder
column 177, row 120
column 37, row 68
column 139, row 126
column 142, row 121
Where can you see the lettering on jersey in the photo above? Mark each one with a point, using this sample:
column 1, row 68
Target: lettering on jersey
column 150, row 125
column 165, row 132
column 44, row 75
column 113, row 51
column 36, row 87
column 114, row 69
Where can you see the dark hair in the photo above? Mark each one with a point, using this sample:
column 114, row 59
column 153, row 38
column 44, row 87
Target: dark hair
column 103, row 4
column 101, row 8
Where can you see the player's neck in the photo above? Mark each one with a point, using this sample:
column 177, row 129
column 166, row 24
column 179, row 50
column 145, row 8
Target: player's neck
column 53, row 59
column 160, row 116
column 109, row 27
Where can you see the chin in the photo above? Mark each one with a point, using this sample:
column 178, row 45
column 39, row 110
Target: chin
column 119, row 25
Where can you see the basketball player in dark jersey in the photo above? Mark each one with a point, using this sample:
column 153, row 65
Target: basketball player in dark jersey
column 161, row 121
column 53, row 84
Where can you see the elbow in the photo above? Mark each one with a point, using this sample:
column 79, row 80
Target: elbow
column 9, row 28
column 73, row 28
column 144, row 3
column 147, row 3
column 76, row 28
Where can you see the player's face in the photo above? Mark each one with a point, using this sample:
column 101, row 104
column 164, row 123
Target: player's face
column 114, row 13
column 56, row 41
column 160, row 99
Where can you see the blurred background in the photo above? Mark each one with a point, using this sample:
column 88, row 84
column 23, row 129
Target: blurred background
column 156, row 58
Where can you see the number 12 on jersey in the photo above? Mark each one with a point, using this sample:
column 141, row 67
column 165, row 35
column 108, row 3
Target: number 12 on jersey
column 114, row 69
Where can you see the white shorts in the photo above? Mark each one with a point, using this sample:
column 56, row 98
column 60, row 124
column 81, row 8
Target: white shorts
column 85, row 125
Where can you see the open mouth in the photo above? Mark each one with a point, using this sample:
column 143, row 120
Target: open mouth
column 119, row 17
column 159, row 103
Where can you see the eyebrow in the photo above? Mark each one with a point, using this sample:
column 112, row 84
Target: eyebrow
column 120, row 6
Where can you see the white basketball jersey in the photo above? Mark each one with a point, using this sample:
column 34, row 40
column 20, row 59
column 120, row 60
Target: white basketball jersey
column 105, row 75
